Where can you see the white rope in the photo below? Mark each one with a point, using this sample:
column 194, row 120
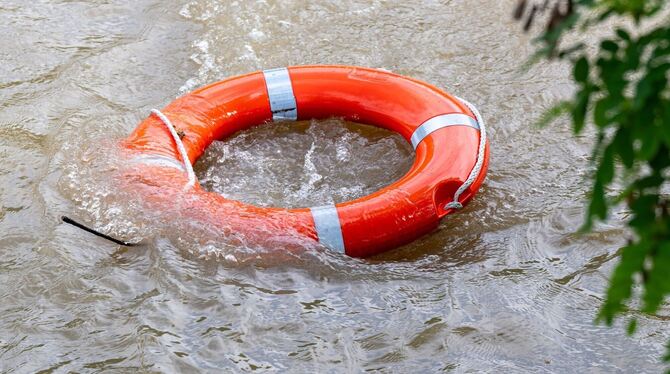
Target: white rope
column 474, row 173
column 180, row 147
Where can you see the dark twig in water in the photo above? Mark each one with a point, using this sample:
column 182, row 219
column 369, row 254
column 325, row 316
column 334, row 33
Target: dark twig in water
column 560, row 10
column 519, row 10
column 97, row 233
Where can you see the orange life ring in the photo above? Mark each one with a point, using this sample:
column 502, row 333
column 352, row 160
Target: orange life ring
column 443, row 130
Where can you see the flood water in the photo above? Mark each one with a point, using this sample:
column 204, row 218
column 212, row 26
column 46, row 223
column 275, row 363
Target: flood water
column 503, row 286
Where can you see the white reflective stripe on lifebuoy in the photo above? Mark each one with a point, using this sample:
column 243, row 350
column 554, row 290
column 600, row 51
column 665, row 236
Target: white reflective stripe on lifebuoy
column 436, row 123
column 328, row 228
column 157, row 160
column 280, row 92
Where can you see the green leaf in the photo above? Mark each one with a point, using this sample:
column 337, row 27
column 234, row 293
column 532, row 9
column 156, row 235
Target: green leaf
column 623, row 34
column 581, row 70
column 644, row 217
column 598, row 206
column 657, row 285
column 605, row 173
column 632, row 55
column 650, row 142
column 624, row 147
column 580, row 108
column 632, row 326
column 645, row 87
column 621, row 283
column 604, row 111
column 665, row 130
column 605, row 15
column 609, row 46
column 654, row 180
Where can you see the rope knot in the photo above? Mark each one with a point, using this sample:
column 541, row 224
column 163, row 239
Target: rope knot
column 481, row 153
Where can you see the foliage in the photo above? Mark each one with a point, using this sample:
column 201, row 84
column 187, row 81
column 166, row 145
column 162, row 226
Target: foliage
column 622, row 91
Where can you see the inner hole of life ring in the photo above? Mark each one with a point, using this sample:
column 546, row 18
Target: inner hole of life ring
column 304, row 163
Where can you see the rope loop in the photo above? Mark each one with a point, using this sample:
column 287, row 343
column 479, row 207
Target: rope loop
column 180, row 147
column 476, row 170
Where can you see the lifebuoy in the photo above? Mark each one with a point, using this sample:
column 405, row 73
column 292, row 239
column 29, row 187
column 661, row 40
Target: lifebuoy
column 443, row 130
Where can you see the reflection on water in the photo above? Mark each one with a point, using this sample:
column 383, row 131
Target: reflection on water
column 506, row 283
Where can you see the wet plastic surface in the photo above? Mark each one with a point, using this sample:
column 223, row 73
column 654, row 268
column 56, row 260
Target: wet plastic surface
column 395, row 215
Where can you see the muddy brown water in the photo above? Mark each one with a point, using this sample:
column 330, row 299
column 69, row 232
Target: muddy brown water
column 504, row 286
